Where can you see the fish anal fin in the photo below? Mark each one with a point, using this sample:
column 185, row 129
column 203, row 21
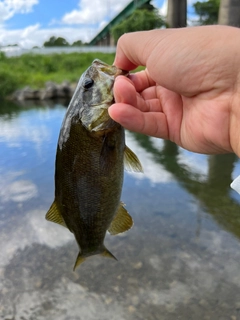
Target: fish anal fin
column 121, row 222
column 131, row 161
column 54, row 215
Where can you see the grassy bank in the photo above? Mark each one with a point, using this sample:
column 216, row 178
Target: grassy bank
column 34, row 70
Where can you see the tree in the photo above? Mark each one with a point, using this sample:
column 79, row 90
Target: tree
column 60, row 42
column 77, row 43
column 137, row 21
column 229, row 13
column 207, row 11
column 56, row 42
column 148, row 6
column 50, row 42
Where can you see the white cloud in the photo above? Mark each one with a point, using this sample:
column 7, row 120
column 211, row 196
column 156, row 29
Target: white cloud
column 17, row 191
column 29, row 30
column 102, row 24
column 196, row 163
column 10, row 7
column 93, row 12
column 82, row 23
column 4, row 13
column 22, row 6
column 153, row 171
column 23, row 130
column 163, row 9
column 35, row 36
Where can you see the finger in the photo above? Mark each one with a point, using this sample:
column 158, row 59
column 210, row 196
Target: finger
column 150, row 93
column 149, row 123
column 163, row 53
column 137, row 82
column 142, row 80
column 181, row 60
column 125, row 92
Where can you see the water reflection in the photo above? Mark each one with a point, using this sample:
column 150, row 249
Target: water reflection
column 207, row 178
column 173, row 262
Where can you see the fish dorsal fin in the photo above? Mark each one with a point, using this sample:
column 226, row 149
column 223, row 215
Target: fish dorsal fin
column 121, row 222
column 54, row 215
column 131, row 161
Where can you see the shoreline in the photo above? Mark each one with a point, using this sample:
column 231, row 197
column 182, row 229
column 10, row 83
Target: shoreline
column 52, row 90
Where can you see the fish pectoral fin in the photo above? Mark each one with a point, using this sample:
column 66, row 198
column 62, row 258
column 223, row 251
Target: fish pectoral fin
column 121, row 222
column 131, row 161
column 54, row 215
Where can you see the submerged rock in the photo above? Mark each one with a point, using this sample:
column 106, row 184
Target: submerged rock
column 26, row 94
column 51, row 91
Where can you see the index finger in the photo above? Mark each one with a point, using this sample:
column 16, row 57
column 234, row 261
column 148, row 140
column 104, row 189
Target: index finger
column 133, row 49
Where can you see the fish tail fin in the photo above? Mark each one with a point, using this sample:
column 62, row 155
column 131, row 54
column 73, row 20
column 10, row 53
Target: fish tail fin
column 81, row 258
column 106, row 253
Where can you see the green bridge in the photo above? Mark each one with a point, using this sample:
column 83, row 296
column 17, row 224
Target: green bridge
column 104, row 37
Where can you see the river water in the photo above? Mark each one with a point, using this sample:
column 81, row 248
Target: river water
column 181, row 260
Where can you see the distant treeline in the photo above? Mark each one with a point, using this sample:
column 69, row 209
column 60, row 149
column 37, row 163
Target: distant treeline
column 61, row 42
column 34, row 69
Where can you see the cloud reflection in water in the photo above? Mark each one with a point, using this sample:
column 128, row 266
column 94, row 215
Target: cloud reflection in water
column 153, row 171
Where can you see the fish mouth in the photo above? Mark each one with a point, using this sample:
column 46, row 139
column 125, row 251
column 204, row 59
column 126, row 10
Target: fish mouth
column 121, row 72
column 108, row 69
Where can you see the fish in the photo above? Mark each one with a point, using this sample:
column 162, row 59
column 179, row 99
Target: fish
column 89, row 166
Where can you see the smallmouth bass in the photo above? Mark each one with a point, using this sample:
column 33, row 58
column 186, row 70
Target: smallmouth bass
column 89, row 166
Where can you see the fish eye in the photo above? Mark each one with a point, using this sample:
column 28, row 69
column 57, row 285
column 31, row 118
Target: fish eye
column 88, row 83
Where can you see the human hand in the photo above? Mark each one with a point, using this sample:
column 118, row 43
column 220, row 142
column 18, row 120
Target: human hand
column 188, row 93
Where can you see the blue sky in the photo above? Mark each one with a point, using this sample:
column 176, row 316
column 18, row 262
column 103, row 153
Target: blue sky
column 31, row 22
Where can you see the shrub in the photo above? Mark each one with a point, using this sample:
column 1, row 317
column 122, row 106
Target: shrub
column 8, row 83
column 35, row 69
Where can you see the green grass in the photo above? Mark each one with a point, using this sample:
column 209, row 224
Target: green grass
column 34, row 70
